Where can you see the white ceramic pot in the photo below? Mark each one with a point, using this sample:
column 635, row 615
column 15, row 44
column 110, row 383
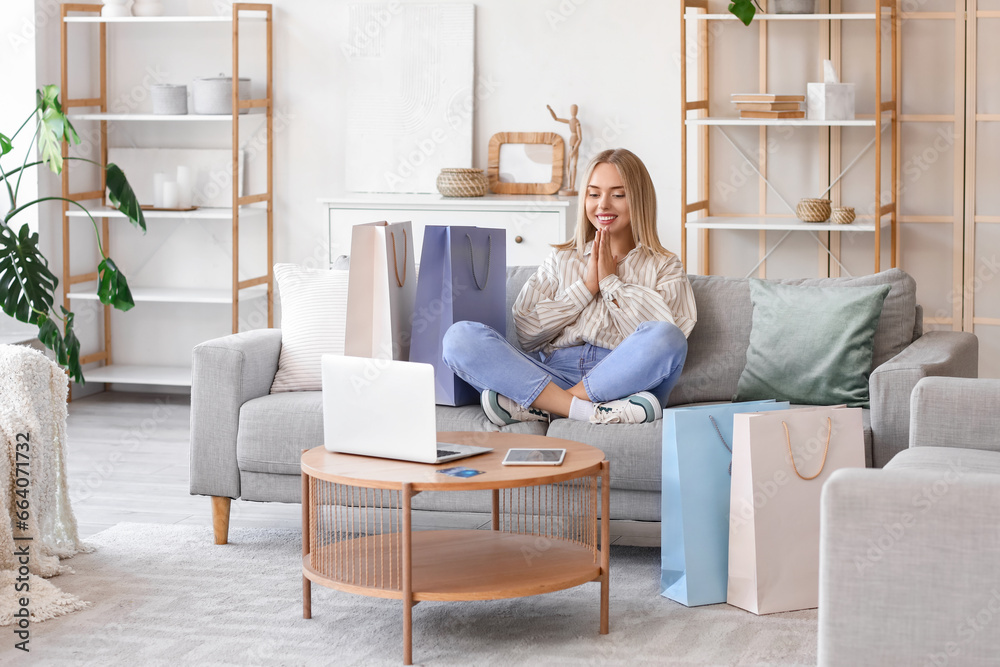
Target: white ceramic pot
column 115, row 8
column 147, row 8
column 789, row 6
column 213, row 95
column 169, row 99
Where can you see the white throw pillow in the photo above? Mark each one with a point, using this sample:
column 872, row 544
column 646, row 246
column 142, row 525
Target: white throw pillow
column 313, row 323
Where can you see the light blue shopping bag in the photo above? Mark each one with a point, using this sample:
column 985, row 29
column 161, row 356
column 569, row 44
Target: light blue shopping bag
column 694, row 528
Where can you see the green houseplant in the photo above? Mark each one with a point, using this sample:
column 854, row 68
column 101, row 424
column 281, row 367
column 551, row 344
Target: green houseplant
column 744, row 10
column 27, row 285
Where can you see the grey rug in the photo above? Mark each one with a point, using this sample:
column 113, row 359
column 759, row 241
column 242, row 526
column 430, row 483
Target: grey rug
column 165, row 595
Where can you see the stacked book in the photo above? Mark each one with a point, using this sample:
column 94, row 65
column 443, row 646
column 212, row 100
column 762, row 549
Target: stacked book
column 763, row 105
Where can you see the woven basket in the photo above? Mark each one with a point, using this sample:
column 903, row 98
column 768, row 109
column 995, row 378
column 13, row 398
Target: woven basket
column 462, row 182
column 813, row 210
column 843, row 215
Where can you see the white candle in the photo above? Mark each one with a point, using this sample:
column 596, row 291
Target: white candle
column 170, row 194
column 159, row 179
column 184, row 187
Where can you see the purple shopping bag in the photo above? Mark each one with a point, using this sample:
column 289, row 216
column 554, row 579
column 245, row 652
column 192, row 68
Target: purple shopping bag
column 463, row 276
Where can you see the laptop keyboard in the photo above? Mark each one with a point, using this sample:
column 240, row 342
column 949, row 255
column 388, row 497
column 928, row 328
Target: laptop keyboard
column 445, row 452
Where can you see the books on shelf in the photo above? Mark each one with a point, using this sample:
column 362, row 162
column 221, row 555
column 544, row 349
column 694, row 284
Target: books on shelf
column 765, row 97
column 772, row 114
column 768, row 106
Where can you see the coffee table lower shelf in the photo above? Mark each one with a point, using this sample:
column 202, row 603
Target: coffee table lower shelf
column 453, row 565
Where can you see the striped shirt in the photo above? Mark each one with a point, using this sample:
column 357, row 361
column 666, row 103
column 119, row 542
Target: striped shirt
column 555, row 309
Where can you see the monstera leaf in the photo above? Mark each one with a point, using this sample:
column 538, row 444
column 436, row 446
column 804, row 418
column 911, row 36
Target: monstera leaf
column 744, row 10
column 26, row 282
column 122, row 197
column 53, row 127
column 112, row 288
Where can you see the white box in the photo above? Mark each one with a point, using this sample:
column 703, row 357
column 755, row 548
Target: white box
column 830, row 101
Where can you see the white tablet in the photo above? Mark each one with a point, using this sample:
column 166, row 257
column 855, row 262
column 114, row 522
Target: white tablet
column 534, row 457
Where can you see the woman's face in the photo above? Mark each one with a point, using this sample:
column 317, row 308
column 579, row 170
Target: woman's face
column 607, row 201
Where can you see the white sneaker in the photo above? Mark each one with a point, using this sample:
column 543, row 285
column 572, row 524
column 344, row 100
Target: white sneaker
column 503, row 411
column 638, row 408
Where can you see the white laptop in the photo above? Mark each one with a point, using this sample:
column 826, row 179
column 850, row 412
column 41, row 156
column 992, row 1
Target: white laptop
column 378, row 407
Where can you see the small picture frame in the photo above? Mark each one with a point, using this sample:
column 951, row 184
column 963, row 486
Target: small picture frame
column 506, row 165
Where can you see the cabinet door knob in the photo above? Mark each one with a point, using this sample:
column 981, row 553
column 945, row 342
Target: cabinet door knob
column 518, row 239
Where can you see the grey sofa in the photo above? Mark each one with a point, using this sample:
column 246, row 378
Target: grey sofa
column 246, row 443
column 909, row 554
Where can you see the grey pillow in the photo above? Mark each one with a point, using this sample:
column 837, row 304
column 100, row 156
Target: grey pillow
column 811, row 345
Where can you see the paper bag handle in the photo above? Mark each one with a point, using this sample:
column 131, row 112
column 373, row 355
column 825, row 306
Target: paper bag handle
column 724, row 443
column 395, row 263
column 788, row 441
column 489, row 261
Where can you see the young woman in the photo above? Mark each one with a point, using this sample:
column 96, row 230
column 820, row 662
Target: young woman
column 606, row 317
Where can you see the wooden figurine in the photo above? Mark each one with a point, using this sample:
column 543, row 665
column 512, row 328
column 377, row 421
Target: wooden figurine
column 575, row 137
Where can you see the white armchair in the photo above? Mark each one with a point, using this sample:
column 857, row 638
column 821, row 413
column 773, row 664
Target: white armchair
column 910, row 554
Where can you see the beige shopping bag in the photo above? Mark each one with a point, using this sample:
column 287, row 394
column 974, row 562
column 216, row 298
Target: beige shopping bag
column 380, row 291
column 780, row 462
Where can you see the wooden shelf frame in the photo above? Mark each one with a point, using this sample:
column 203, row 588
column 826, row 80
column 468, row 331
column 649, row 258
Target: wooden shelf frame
column 695, row 115
column 263, row 108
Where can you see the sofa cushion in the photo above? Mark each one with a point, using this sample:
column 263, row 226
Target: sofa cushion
column 811, row 345
column 313, row 323
column 717, row 347
column 958, row 460
column 274, row 430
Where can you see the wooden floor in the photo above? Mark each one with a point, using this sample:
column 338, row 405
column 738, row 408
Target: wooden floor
column 128, row 462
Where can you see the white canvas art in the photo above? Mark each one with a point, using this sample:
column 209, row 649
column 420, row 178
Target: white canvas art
column 410, row 94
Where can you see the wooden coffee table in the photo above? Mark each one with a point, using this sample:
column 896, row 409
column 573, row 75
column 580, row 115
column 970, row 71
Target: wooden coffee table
column 546, row 534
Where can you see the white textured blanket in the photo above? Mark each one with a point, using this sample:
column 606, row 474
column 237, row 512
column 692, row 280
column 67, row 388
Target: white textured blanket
column 34, row 494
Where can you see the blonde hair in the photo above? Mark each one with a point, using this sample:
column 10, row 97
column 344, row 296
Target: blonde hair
column 640, row 195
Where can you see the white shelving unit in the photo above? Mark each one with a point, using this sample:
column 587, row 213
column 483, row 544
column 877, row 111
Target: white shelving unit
column 695, row 114
column 256, row 207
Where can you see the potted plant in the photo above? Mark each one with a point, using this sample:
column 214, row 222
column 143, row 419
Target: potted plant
column 27, row 285
column 744, row 10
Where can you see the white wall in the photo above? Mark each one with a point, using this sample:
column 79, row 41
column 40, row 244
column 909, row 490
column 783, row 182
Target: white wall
column 17, row 61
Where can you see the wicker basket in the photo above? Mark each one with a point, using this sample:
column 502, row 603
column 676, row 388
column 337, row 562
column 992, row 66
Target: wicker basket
column 813, row 210
column 842, row 215
column 462, row 182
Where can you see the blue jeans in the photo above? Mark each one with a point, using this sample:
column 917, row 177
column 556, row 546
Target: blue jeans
column 651, row 359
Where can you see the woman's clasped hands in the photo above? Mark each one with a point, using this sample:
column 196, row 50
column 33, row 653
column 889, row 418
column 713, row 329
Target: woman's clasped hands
column 602, row 262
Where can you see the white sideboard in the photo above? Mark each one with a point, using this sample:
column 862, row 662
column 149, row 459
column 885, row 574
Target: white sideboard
column 533, row 222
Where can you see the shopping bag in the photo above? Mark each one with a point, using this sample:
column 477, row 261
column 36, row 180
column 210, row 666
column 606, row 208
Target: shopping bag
column 380, row 290
column 694, row 524
column 780, row 462
column 463, row 276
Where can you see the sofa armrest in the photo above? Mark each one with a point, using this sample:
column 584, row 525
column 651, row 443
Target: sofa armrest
column 950, row 353
column 226, row 373
column 955, row 412
column 908, row 568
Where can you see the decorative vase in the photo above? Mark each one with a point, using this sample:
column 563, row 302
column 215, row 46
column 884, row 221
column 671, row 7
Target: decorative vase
column 115, row 8
column 147, row 8
column 788, row 6
column 813, row 210
column 462, row 182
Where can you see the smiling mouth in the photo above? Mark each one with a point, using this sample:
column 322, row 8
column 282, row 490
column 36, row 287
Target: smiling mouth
column 606, row 219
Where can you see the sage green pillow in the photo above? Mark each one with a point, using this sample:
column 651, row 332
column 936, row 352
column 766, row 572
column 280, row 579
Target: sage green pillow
column 811, row 345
